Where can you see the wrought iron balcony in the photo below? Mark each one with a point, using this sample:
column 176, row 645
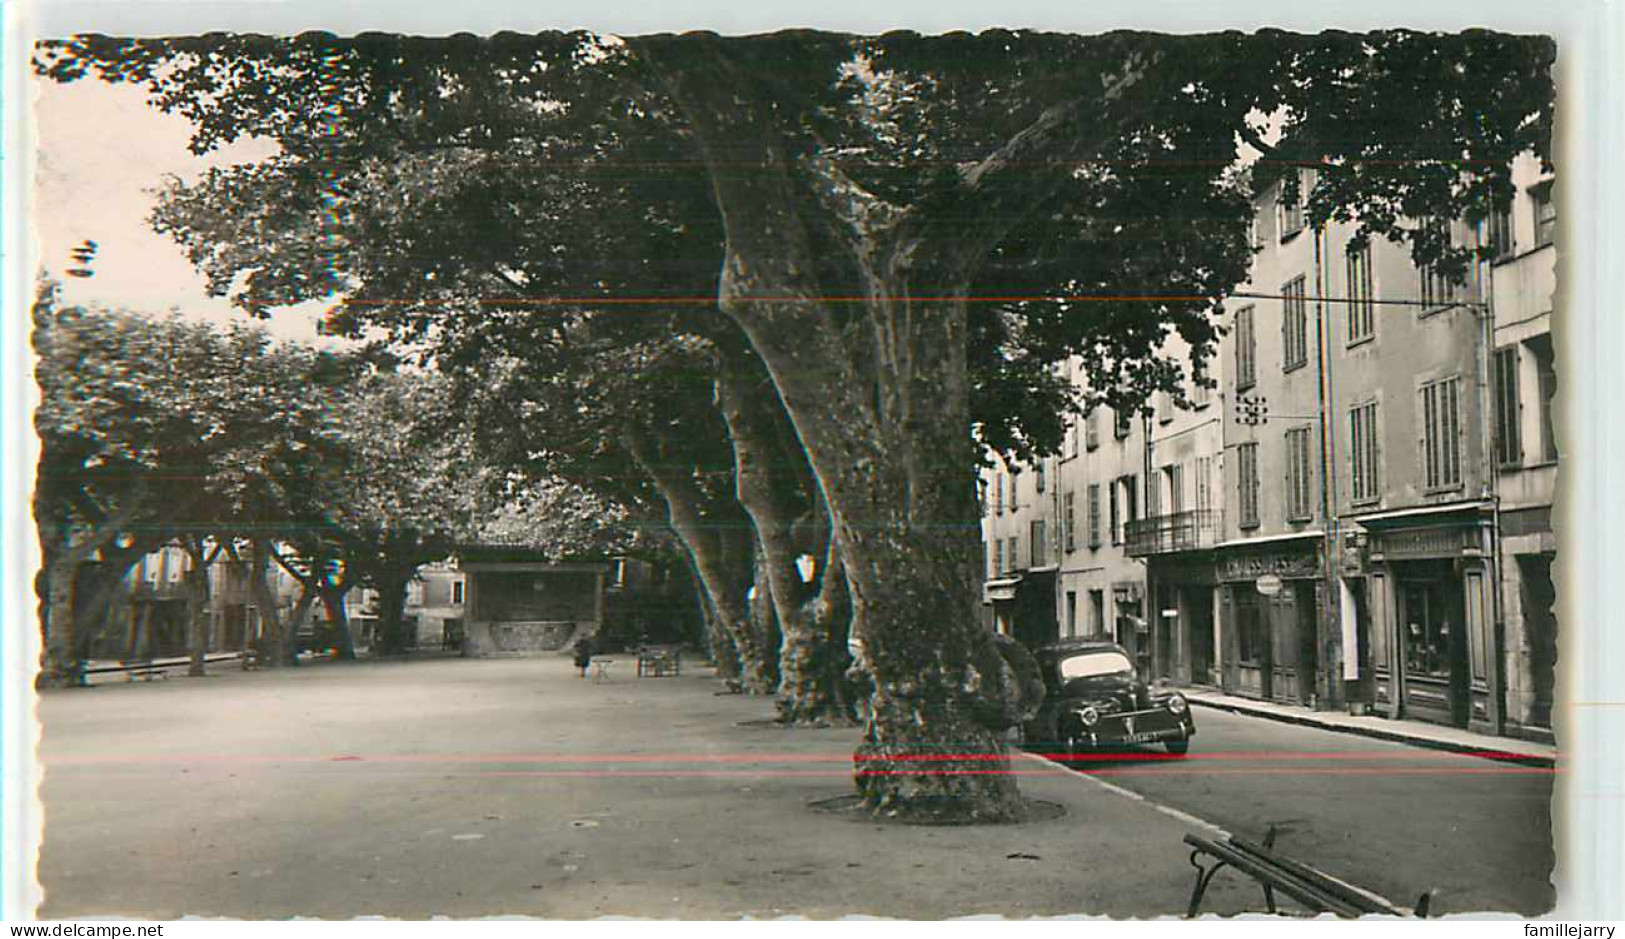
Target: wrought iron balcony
column 1178, row 531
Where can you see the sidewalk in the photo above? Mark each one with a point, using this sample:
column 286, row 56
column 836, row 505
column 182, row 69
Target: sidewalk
column 1416, row 733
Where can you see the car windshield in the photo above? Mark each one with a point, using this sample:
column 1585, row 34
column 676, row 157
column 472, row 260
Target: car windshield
column 1093, row 664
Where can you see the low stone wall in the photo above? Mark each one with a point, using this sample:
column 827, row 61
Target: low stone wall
column 522, row 637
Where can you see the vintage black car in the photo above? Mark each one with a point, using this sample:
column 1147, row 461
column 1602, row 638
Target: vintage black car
column 1093, row 700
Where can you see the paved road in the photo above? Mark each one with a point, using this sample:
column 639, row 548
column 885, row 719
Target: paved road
column 467, row 788
column 1394, row 818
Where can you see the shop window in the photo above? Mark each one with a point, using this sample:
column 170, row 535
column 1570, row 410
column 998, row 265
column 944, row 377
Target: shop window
column 1427, row 630
column 1294, row 326
column 1441, row 434
column 1362, row 310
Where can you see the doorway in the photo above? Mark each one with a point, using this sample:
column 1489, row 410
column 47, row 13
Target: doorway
column 1540, row 632
column 1433, row 640
column 1199, row 632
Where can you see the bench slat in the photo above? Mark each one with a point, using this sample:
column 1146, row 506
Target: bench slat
column 1266, row 872
column 1320, row 879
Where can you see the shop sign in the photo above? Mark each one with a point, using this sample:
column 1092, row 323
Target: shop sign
column 1252, row 567
column 1269, row 585
column 1441, row 542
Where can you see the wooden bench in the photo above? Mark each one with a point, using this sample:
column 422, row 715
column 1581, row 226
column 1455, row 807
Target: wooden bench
column 659, row 663
column 1315, row 890
column 145, row 671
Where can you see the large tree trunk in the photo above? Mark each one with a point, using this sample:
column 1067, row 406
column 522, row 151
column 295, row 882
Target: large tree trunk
column 273, row 645
column 706, row 539
column 775, row 486
column 392, row 611
column 197, row 617
column 62, row 655
column 719, row 642
column 886, row 426
column 764, row 623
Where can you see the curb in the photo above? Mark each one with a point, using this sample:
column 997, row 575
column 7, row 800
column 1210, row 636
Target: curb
column 1380, row 733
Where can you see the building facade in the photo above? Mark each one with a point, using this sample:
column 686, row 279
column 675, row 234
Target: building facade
column 1359, row 515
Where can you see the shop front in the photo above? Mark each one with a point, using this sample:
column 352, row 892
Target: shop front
column 1024, row 607
column 1270, row 610
column 1430, row 601
column 1183, row 633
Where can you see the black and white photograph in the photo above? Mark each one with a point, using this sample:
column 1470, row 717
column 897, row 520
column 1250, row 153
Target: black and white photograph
column 711, row 474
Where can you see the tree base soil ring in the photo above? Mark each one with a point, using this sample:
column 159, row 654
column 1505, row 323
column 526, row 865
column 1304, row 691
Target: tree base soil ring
column 851, row 807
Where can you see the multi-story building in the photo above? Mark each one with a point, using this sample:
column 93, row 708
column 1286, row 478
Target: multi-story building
column 1525, row 446
column 1362, row 512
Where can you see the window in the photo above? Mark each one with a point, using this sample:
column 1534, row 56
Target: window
column 456, row 592
column 1298, row 501
column 1131, row 501
column 998, row 493
column 1364, row 451
column 1204, row 495
column 1246, row 374
column 1010, row 556
column 1040, row 547
column 1038, row 470
column 1165, row 407
column 1362, row 311
column 1200, row 394
column 1545, row 214
column 1121, row 422
column 1094, row 514
column 1116, row 517
column 1153, row 495
column 1294, row 326
column 1069, row 522
column 1438, row 291
column 1441, row 434
column 1072, row 434
column 1502, row 242
column 1071, row 613
column 1091, row 428
column 1174, row 477
column 1508, row 411
column 1247, row 484
column 1289, row 207
column 1541, row 348
column 998, row 558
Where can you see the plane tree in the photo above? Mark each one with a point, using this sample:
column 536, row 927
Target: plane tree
column 873, row 193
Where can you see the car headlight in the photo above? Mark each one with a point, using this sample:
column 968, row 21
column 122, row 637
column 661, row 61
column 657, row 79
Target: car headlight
column 1177, row 704
column 1089, row 716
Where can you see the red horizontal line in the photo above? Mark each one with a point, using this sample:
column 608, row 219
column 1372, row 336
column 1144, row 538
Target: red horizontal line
column 700, row 301
column 1260, row 756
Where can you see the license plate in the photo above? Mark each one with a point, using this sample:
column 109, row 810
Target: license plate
column 1146, row 737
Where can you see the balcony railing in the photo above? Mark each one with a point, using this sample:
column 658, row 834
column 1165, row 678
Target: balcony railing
column 1178, row 531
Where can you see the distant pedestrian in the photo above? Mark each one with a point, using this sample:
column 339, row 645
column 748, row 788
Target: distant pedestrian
column 583, row 654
